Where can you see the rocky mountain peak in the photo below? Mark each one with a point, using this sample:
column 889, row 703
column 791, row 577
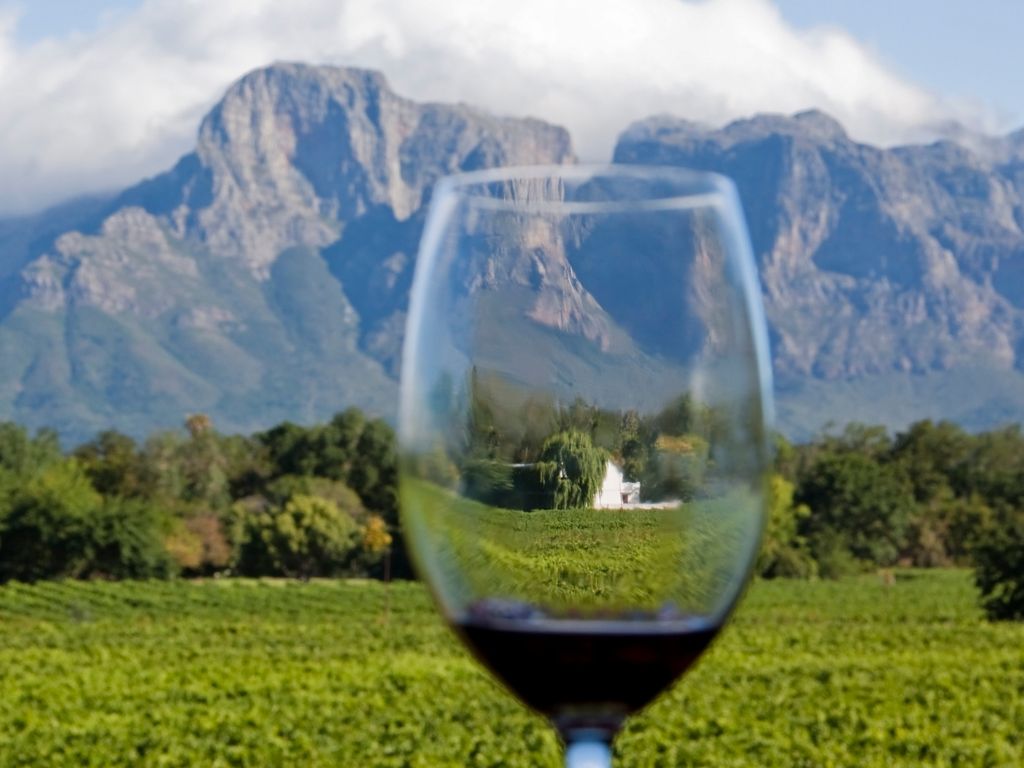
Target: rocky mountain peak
column 264, row 277
column 873, row 261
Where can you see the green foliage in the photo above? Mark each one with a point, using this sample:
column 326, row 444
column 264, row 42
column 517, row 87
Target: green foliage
column 125, row 540
column 307, row 536
column 254, row 673
column 832, row 556
column 24, row 455
column 932, row 455
column 281, row 490
column 571, row 469
column 994, row 467
column 58, row 525
column 632, row 448
column 999, row 570
column 436, row 466
column 860, row 499
column 373, row 469
column 114, row 465
column 675, row 468
column 784, row 551
column 351, row 449
column 932, row 495
column 47, row 526
column 488, row 481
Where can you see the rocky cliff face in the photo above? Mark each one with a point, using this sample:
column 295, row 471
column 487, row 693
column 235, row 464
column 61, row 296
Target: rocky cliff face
column 264, row 277
column 872, row 261
column 896, row 271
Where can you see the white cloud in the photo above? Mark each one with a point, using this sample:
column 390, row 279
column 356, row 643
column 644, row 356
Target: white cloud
column 103, row 110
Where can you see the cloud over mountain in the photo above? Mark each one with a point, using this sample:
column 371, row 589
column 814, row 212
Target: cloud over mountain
column 98, row 111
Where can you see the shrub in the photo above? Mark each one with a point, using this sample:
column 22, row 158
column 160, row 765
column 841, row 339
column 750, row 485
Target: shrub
column 866, row 501
column 308, row 536
column 58, row 525
column 47, row 525
column 999, row 566
column 198, row 545
column 831, row 551
column 488, row 481
column 784, row 552
column 125, row 540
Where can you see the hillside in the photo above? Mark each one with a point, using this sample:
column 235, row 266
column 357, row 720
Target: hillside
column 265, row 276
column 893, row 278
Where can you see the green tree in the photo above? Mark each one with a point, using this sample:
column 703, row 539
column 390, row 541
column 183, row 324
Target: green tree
column 488, row 481
column 114, row 465
column 784, row 551
column 204, row 466
column 675, row 468
column 867, row 503
column 26, row 455
column 291, row 449
column 931, row 455
column 571, row 469
column 373, row 472
column 46, row 531
column 994, row 468
column 999, row 566
column 57, row 524
column 632, row 447
column 308, row 536
column 9, row 483
column 125, row 540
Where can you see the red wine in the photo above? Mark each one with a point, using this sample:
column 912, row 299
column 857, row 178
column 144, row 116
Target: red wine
column 586, row 674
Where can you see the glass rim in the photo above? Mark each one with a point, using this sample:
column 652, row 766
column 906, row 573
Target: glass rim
column 697, row 188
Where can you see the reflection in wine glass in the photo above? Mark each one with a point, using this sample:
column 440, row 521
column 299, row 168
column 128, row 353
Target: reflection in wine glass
column 585, row 398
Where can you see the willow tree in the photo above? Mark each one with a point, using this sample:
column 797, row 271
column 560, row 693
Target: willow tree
column 571, row 469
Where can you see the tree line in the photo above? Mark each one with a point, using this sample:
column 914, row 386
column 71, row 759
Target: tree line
column 321, row 500
column 290, row 501
column 932, row 495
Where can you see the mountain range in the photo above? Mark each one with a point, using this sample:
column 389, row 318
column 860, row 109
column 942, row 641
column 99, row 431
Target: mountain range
column 266, row 275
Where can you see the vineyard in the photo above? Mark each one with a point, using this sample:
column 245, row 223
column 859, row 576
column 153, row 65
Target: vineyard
column 263, row 673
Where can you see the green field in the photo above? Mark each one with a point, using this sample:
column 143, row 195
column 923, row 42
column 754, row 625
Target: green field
column 363, row 674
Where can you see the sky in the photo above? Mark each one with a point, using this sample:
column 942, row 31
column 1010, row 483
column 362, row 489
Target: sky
column 97, row 95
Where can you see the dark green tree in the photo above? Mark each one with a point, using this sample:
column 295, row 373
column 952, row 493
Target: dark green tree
column 114, row 465
column 999, row 566
column 58, row 525
column 373, row 473
column 994, row 468
column 47, row 526
column 932, row 457
column 867, row 503
column 125, row 540
column 633, row 447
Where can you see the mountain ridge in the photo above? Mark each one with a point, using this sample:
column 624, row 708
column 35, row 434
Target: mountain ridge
column 211, row 287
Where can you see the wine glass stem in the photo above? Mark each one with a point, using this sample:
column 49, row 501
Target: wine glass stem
column 588, row 754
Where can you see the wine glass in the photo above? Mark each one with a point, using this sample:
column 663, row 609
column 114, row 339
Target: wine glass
column 585, row 402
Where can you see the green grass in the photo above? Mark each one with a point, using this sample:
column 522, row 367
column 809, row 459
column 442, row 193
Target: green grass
column 227, row 673
column 605, row 560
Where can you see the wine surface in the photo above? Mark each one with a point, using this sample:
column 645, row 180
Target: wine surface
column 586, row 673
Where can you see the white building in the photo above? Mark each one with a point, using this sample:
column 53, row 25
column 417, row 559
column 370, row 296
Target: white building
column 615, row 492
